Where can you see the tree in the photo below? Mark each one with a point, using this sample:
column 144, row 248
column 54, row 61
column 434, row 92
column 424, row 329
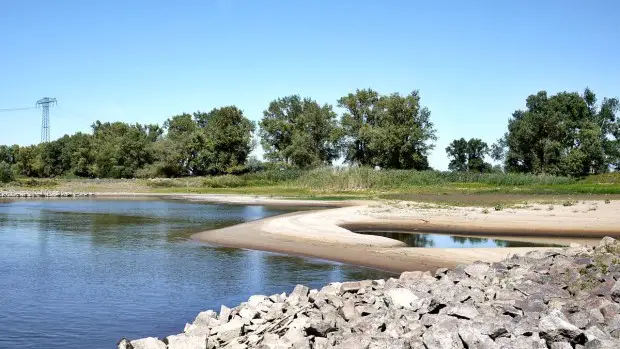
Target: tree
column 229, row 140
column 300, row 132
column 179, row 153
column 8, row 154
column 388, row 131
column 468, row 155
column 121, row 149
column 565, row 134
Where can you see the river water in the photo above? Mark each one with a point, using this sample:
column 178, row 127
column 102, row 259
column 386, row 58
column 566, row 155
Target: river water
column 82, row 273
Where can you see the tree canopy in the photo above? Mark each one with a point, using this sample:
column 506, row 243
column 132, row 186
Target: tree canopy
column 300, row 132
column 468, row 155
column 390, row 131
column 563, row 134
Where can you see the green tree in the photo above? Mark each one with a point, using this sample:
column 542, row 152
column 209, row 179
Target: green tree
column 6, row 174
column 8, row 154
column 565, row 134
column 300, row 132
column 391, row 131
column 180, row 153
column 229, row 140
column 120, row 149
column 468, row 155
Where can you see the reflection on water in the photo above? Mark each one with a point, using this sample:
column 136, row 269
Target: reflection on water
column 82, row 273
column 452, row 241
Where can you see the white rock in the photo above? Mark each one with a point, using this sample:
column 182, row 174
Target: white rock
column 183, row 341
column 401, row 297
column 148, row 343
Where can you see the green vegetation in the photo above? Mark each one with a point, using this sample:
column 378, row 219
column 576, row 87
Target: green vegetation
column 565, row 134
column 392, row 132
column 565, row 144
column 468, row 155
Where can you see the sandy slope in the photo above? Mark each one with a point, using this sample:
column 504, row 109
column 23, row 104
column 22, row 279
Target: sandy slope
column 322, row 234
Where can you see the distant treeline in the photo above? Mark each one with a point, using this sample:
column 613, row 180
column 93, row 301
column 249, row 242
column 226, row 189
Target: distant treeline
column 564, row 134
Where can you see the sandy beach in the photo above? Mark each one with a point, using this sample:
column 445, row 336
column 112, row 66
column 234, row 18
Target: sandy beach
column 328, row 233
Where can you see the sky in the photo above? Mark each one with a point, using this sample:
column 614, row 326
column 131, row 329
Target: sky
column 473, row 62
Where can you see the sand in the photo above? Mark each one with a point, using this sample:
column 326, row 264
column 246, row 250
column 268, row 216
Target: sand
column 326, row 234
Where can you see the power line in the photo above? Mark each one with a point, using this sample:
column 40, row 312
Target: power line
column 2, row 110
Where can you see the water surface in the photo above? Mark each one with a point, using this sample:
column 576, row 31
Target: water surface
column 81, row 273
column 453, row 241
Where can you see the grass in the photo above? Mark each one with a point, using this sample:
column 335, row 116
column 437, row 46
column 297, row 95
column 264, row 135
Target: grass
column 494, row 190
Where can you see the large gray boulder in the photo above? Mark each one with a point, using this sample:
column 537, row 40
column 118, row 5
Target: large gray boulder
column 555, row 328
column 443, row 336
column 229, row 330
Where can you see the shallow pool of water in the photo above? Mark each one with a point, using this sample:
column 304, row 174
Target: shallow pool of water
column 81, row 273
column 452, row 241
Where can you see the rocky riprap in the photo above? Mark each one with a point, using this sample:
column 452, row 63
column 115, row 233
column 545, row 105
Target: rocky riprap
column 42, row 194
column 560, row 298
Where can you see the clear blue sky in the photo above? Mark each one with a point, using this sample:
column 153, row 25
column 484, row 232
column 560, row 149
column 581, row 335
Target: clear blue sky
column 474, row 62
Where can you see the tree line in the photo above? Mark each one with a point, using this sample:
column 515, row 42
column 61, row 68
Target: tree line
column 563, row 134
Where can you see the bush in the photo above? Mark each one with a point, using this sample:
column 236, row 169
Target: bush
column 6, row 174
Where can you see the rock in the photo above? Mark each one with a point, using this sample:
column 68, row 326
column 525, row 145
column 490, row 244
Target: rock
column 148, row 343
column 443, row 336
column 411, row 276
column 197, row 330
column 477, row 270
column 615, row 292
column 561, row 345
column 464, row 311
column 355, row 342
column 556, row 328
column 348, row 310
column 124, row 344
column 593, row 332
column 603, row 344
column 256, row 300
column 401, row 297
column 473, row 338
column 521, row 342
column 229, row 330
column 224, row 314
column 349, row 287
column 299, row 293
column 248, row 313
column 608, row 245
column 183, row 341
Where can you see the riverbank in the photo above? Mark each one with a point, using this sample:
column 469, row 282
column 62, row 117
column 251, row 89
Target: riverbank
column 328, row 234
column 564, row 298
column 42, row 194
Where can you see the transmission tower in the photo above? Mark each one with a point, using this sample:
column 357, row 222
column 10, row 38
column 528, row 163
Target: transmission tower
column 45, row 103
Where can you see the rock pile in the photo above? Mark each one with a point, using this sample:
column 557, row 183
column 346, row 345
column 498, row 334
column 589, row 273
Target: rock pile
column 42, row 194
column 560, row 298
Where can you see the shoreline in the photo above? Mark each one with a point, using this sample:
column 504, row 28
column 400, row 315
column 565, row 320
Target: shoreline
column 327, row 234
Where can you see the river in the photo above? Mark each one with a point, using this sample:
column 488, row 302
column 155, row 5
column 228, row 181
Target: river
column 82, row 273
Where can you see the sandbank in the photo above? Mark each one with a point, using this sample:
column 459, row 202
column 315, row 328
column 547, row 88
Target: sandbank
column 328, row 234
